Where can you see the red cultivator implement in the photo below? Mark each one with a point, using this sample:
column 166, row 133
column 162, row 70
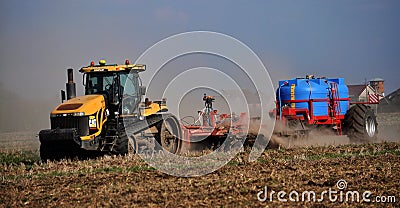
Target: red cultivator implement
column 211, row 129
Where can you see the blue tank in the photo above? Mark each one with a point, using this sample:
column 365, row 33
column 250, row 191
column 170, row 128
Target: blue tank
column 312, row 88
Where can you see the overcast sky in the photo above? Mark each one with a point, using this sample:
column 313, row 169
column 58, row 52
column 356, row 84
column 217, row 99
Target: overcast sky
column 39, row 39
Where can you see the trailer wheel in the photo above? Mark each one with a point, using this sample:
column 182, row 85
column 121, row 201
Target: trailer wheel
column 360, row 124
column 169, row 134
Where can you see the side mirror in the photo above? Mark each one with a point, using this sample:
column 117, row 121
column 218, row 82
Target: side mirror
column 142, row 90
column 84, row 79
column 62, row 96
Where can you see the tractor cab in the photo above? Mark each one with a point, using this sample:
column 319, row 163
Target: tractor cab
column 119, row 84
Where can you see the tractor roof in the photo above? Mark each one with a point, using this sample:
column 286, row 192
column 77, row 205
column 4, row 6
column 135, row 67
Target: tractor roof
column 103, row 67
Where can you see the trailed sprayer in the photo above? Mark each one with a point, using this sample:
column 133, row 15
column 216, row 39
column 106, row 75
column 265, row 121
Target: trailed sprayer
column 303, row 104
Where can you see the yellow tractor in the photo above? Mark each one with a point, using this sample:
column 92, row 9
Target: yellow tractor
column 98, row 122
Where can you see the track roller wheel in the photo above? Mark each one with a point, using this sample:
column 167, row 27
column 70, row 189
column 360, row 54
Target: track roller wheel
column 125, row 144
column 169, row 134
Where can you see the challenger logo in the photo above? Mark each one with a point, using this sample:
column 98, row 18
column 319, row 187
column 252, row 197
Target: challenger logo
column 92, row 122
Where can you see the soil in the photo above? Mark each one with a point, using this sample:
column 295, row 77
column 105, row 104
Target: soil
column 129, row 182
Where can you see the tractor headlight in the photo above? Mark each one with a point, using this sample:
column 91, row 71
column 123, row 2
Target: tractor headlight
column 78, row 114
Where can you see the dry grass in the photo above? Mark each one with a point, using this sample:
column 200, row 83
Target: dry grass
column 128, row 181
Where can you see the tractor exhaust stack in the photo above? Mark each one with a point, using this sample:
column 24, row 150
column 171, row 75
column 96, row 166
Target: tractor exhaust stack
column 70, row 85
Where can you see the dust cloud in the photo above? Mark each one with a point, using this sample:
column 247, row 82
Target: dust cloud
column 21, row 114
column 388, row 131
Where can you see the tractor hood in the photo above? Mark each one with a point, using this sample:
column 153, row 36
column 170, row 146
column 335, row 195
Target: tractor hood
column 83, row 105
